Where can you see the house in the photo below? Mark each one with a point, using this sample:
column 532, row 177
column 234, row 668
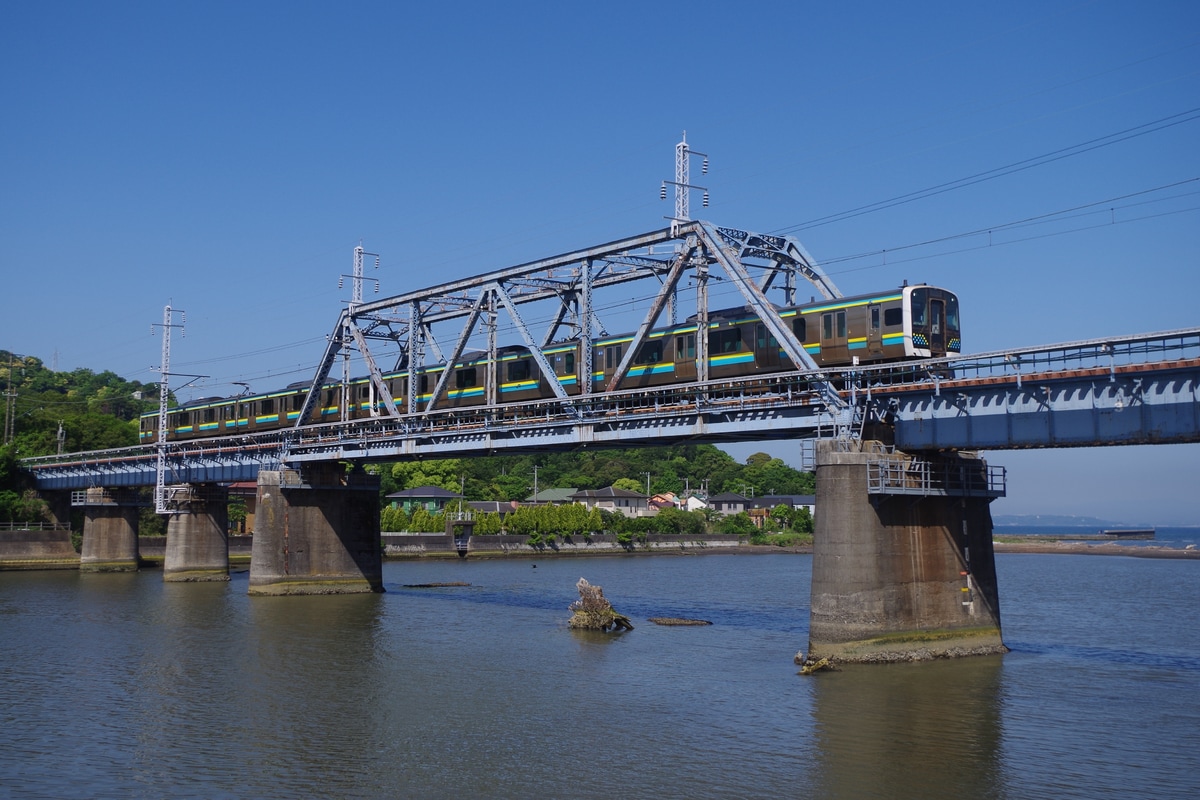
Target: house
column 694, row 503
column 556, row 497
column 431, row 498
column 727, row 503
column 793, row 501
column 501, row 507
column 664, row 500
column 622, row 501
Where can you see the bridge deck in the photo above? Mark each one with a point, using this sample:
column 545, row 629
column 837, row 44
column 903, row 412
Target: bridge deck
column 1127, row 390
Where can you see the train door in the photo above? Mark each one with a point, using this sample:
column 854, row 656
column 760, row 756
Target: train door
column 766, row 348
column 833, row 338
column 874, row 330
column 937, row 326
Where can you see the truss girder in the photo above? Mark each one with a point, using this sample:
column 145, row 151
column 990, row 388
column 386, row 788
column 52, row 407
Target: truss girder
column 571, row 281
column 1141, row 389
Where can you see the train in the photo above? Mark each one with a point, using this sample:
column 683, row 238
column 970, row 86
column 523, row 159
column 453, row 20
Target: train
column 911, row 322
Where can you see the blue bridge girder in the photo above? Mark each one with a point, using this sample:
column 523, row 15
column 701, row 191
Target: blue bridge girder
column 1142, row 389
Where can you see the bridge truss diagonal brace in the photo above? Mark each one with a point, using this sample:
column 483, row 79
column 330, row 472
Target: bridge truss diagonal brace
column 665, row 293
column 332, row 348
column 456, row 353
column 381, row 387
column 786, row 254
column 535, row 349
column 756, row 298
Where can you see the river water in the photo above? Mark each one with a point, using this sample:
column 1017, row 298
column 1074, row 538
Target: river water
column 122, row 686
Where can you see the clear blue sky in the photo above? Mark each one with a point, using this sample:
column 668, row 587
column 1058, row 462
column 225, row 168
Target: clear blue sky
column 227, row 157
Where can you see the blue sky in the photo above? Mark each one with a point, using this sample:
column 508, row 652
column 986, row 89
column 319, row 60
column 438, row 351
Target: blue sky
column 227, row 157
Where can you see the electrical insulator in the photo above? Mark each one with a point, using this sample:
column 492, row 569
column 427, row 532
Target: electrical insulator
column 339, row 283
column 662, row 192
column 704, row 166
column 705, row 201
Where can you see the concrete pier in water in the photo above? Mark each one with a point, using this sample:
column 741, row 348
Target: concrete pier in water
column 316, row 532
column 197, row 534
column 903, row 567
column 110, row 527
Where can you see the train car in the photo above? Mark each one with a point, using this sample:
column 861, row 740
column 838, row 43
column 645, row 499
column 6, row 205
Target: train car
column 911, row 322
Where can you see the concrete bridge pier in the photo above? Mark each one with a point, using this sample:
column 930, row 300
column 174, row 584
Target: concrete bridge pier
column 903, row 566
column 110, row 528
column 197, row 534
column 316, row 531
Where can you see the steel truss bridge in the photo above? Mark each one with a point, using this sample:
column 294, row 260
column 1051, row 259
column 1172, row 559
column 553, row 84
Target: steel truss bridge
column 1123, row 390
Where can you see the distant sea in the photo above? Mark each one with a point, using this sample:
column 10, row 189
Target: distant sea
column 1163, row 537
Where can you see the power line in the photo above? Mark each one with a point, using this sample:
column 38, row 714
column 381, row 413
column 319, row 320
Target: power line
column 1018, row 166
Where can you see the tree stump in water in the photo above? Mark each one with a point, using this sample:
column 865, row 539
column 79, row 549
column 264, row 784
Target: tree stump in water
column 593, row 612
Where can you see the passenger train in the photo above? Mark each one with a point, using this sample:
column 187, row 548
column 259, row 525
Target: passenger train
column 912, row 322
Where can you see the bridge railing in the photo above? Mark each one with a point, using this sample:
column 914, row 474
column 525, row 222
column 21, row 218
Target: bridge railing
column 801, row 389
column 924, row 478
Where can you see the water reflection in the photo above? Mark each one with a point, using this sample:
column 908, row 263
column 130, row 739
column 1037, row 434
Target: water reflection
column 929, row 729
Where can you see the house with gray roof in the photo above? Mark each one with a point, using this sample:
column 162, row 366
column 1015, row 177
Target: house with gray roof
column 610, row 498
column 431, row 498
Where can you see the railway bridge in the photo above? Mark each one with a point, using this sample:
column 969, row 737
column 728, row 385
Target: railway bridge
column 903, row 559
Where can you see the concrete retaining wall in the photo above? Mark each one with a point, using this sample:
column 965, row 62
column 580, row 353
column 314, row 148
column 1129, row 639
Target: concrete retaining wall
column 402, row 544
column 37, row 549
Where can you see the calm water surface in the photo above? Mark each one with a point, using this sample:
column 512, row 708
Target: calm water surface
column 123, row 686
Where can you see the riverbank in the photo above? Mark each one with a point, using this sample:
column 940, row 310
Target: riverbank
column 1050, row 545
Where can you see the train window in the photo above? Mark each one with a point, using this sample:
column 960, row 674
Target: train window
column 364, row 391
column 266, row 406
column 765, row 340
column 726, row 341
column 827, row 326
column 612, row 356
column 651, row 352
column 297, row 402
column 570, row 364
column 685, row 346
column 918, row 308
column 874, row 318
column 952, row 312
column 800, row 328
column 518, row 370
column 424, row 384
column 841, row 324
column 893, row 317
column 210, row 415
column 464, row 378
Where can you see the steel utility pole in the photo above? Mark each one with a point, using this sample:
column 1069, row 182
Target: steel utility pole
column 682, row 185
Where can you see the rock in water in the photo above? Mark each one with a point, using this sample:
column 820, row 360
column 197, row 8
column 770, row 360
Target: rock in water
column 593, row 612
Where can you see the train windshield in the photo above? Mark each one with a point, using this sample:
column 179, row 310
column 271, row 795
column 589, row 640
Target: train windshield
column 951, row 312
column 919, row 298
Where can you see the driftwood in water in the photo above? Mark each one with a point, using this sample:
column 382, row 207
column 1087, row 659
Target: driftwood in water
column 434, row 585
column 678, row 621
column 593, row 612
